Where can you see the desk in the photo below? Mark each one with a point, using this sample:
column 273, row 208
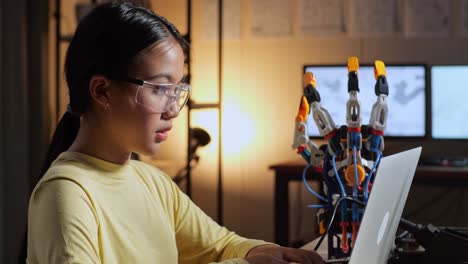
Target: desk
column 292, row 171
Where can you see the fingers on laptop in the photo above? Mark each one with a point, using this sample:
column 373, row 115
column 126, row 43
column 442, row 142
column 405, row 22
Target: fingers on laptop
column 264, row 259
column 302, row 256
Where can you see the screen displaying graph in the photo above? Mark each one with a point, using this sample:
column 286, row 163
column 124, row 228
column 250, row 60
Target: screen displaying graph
column 406, row 100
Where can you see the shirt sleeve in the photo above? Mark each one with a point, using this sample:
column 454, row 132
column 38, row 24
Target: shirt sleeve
column 62, row 225
column 201, row 240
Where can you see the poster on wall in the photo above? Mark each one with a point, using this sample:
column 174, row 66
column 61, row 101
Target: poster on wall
column 270, row 18
column 321, row 17
column 371, row 18
column 231, row 19
column 426, row 18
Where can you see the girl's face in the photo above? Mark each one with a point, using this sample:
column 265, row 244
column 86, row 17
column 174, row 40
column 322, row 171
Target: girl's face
column 136, row 127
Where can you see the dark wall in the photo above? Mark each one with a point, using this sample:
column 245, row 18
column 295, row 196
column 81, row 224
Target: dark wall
column 23, row 134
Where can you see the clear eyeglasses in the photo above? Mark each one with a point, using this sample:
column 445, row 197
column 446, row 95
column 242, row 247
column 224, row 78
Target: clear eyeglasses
column 160, row 97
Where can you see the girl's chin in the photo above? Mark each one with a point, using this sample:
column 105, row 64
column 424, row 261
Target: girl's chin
column 152, row 149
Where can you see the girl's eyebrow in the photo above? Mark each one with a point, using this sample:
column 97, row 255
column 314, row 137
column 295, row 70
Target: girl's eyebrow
column 167, row 76
column 161, row 75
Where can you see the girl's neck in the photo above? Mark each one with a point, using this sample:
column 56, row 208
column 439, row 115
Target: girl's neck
column 95, row 140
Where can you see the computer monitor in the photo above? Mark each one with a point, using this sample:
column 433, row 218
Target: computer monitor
column 406, row 100
column 449, row 93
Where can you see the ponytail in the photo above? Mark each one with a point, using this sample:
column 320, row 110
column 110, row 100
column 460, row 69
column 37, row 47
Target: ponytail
column 64, row 135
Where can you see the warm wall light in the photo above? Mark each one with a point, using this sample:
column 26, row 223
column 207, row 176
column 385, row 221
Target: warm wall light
column 207, row 119
column 238, row 129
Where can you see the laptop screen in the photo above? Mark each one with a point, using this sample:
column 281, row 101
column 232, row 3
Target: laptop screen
column 384, row 208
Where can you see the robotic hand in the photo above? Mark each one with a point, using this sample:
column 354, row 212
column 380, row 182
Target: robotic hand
column 347, row 173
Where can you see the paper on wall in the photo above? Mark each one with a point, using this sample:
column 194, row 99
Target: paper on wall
column 426, row 17
column 321, row 17
column 270, row 18
column 371, row 17
column 231, row 19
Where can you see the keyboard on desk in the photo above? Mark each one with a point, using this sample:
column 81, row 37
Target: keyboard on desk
column 463, row 230
column 444, row 161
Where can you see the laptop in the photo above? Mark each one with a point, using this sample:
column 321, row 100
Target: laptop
column 384, row 208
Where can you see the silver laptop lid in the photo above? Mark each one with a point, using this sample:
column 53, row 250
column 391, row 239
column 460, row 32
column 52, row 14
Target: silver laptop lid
column 384, row 207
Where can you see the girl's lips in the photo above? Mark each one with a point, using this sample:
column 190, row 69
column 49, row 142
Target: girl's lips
column 162, row 135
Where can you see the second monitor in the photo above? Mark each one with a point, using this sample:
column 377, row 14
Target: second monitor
column 449, row 107
column 406, row 99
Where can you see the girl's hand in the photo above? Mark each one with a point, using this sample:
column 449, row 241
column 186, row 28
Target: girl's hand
column 276, row 254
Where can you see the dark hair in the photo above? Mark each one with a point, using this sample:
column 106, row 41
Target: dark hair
column 106, row 42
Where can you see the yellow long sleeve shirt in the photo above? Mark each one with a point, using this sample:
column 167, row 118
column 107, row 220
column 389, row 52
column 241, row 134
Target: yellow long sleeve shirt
column 87, row 210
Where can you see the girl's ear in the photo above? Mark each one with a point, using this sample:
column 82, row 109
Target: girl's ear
column 99, row 90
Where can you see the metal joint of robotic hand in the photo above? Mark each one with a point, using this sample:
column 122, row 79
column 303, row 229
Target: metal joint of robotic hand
column 378, row 118
column 301, row 142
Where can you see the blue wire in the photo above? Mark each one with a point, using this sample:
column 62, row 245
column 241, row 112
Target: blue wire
column 337, row 176
column 343, row 192
column 355, row 212
column 366, row 187
column 317, row 206
column 308, row 187
column 344, row 210
column 377, row 160
column 355, row 188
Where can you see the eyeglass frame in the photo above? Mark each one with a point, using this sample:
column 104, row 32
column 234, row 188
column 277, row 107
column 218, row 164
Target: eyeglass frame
column 140, row 83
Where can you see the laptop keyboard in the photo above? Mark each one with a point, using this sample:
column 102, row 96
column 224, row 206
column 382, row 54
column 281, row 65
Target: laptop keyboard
column 338, row 261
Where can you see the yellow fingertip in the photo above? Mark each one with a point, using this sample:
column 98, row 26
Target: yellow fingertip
column 353, row 64
column 309, row 79
column 379, row 69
